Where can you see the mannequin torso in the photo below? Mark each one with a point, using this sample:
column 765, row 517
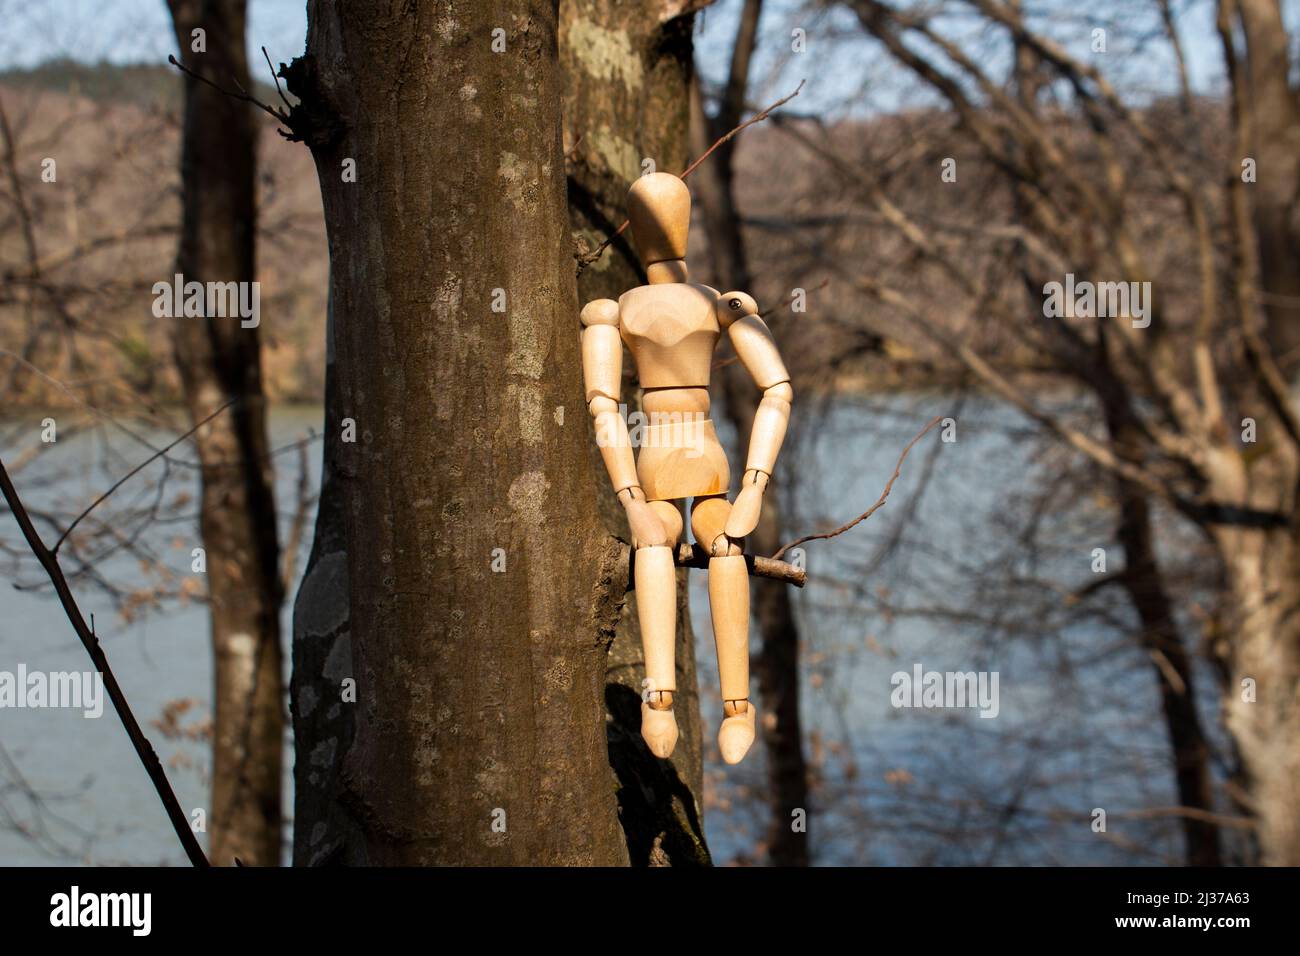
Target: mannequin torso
column 671, row 329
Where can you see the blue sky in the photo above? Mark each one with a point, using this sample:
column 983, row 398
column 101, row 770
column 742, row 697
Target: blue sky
column 129, row 31
column 843, row 72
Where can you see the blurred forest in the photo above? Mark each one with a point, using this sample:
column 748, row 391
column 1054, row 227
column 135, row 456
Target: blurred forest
column 1108, row 518
column 104, row 237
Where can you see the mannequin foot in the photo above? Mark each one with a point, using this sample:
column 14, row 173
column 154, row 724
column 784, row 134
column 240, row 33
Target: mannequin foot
column 659, row 725
column 737, row 731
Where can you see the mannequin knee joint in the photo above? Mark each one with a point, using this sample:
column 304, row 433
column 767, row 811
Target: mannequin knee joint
column 671, row 519
column 724, row 546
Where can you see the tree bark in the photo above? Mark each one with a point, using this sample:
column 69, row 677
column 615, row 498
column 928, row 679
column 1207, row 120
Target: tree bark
column 479, row 735
column 778, row 663
column 627, row 68
column 1259, row 651
column 1262, row 694
column 218, row 361
column 325, row 831
column 1272, row 127
column 1144, row 583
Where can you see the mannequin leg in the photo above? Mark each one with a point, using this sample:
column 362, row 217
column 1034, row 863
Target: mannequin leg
column 656, row 601
column 729, row 607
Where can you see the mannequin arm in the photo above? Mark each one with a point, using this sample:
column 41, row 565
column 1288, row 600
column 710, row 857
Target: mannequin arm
column 738, row 313
column 602, row 372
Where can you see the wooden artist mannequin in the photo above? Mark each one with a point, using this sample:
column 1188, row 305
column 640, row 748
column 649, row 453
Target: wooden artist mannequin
column 671, row 327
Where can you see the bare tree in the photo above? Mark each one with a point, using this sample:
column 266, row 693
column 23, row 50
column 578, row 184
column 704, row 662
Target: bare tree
column 660, row 804
column 479, row 573
column 1191, row 414
column 219, row 361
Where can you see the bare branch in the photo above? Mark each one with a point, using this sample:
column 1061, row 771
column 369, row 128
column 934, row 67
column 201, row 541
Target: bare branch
column 145, row 751
column 241, row 94
column 587, row 258
column 727, row 137
column 275, row 76
column 880, row 502
column 134, row 471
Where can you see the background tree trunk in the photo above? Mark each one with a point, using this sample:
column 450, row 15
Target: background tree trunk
column 1272, row 127
column 1260, row 649
column 1261, row 696
column 1142, row 576
column 479, row 733
column 614, row 116
column 219, row 361
column 778, row 663
column 1144, row 582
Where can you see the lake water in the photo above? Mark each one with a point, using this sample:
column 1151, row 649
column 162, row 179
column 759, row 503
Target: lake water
column 1077, row 727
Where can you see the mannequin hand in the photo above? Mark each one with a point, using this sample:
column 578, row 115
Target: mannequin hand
column 747, row 507
column 647, row 530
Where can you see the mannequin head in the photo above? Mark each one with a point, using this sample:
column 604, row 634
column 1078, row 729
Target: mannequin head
column 659, row 208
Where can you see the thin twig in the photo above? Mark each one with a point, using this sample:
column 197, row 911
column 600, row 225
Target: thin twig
column 239, row 94
column 756, row 118
column 1189, row 813
column 880, row 502
column 139, row 439
column 284, row 99
column 136, row 470
column 99, row 413
column 145, row 751
column 587, row 258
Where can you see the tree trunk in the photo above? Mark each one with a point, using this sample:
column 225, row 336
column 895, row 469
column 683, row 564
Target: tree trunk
column 1260, row 650
column 1273, row 134
column 627, row 70
column 1262, row 696
column 778, row 663
column 479, row 573
column 1142, row 577
column 325, row 831
column 219, row 361
column 1144, row 583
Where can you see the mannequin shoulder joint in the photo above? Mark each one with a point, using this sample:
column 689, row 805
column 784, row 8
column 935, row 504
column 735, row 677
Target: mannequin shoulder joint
column 600, row 312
